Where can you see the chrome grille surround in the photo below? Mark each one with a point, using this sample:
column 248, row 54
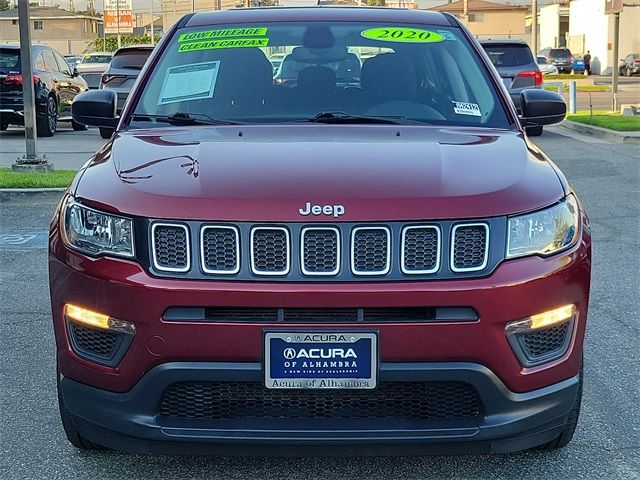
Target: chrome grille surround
column 354, row 234
column 254, row 252
column 485, row 257
column 303, row 252
column 154, row 248
column 203, row 255
column 403, row 250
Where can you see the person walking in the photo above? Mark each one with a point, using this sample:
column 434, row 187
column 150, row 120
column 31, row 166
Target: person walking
column 587, row 63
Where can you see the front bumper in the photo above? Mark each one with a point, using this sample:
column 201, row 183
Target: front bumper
column 130, row 421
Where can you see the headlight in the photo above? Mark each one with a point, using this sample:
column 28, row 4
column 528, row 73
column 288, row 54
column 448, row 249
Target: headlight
column 544, row 232
column 94, row 232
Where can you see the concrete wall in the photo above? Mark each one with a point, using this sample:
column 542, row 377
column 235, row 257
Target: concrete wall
column 586, row 17
column 52, row 29
column 549, row 19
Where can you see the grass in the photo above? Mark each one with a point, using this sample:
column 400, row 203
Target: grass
column 581, row 88
column 610, row 120
column 55, row 179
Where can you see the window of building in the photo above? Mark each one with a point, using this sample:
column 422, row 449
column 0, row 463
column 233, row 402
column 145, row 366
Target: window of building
column 476, row 17
column 37, row 24
column 14, row 22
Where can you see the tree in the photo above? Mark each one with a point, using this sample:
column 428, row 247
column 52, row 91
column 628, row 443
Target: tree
column 4, row 5
column 375, row 3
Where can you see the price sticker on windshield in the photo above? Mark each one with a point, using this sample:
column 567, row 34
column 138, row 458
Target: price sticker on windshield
column 402, row 34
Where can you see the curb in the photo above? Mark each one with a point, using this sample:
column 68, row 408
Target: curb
column 603, row 133
column 31, row 194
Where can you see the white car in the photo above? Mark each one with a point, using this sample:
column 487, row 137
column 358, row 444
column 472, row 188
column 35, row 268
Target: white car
column 545, row 67
column 92, row 66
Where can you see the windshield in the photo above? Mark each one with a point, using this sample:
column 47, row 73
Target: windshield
column 410, row 73
column 131, row 58
column 9, row 60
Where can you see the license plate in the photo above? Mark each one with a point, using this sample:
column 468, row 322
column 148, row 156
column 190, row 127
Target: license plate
column 333, row 360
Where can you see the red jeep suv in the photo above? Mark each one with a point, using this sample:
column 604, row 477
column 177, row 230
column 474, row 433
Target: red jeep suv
column 369, row 258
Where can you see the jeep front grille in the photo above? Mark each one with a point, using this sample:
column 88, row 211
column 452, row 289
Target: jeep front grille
column 338, row 252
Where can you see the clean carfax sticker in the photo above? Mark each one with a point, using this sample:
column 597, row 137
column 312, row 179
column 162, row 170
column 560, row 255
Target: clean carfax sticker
column 223, row 33
column 189, row 82
column 401, row 34
column 463, row 108
column 223, row 43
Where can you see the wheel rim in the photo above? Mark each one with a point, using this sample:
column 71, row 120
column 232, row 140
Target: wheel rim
column 53, row 115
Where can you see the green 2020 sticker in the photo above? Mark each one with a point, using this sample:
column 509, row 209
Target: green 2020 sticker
column 401, row 34
column 223, row 33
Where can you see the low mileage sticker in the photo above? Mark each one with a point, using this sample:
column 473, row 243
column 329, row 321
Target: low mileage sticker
column 402, row 34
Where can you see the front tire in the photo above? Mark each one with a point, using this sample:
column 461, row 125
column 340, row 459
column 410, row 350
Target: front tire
column 47, row 124
column 628, row 72
column 569, row 429
column 73, row 435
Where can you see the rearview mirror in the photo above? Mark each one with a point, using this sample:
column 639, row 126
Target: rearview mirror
column 96, row 108
column 541, row 107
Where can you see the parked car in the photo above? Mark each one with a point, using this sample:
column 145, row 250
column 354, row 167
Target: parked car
column 630, row 64
column 56, row 85
column 560, row 57
column 577, row 64
column 517, row 68
column 255, row 267
column 545, row 67
column 93, row 65
column 73, row 60
column 126, row 64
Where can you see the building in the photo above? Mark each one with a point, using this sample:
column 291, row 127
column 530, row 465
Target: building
column 591, row 29
column 553, row 25
column 173, row 10
column 489, row 20
column 67, row 32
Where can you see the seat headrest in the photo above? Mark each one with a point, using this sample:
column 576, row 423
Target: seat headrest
column 388, row 77
column 317, row 79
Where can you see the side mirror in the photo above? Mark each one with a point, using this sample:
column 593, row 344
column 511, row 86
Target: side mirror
column 74, row 72
column 96, row 108
column 541, row 107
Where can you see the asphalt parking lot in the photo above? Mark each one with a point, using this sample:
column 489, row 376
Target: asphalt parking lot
column 607, row 442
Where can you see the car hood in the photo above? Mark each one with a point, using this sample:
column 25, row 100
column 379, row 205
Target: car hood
column 268, row 173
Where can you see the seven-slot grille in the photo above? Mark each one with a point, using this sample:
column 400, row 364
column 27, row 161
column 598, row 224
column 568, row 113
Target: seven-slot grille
column 263, row 250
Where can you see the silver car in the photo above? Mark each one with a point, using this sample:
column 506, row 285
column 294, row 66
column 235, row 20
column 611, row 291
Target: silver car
column 92, row 66
column 123, row 72
column 545, row 66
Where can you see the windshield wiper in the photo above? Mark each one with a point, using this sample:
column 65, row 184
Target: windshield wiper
column 184, row 118
column 342, row 117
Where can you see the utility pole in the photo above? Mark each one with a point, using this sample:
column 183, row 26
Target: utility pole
column 465, row 12
column 118, row 22
column 534, row 27
column 30, row 161
column 614, row 65
column 153, row 33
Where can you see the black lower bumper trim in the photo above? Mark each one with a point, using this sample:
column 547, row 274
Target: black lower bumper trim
column 130, row 421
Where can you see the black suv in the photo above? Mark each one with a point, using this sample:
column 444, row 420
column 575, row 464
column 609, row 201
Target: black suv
column 56, row 85
column 560, row 57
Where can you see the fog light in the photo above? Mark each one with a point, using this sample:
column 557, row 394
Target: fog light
column 542, row 320
column 97, row 320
